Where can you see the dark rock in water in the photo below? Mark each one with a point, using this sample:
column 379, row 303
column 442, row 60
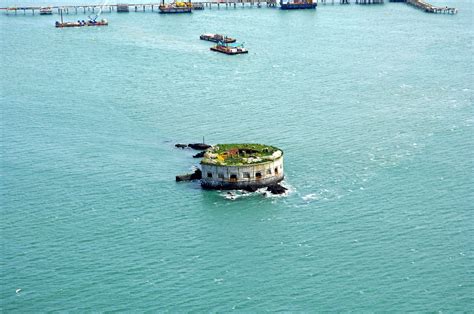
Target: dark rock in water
column 231, row 196
column 197, row 175
column 276, row 189
column 250, row 188
column 183, row 177
column 199, row 155
column 199, row 146
column 181, row 145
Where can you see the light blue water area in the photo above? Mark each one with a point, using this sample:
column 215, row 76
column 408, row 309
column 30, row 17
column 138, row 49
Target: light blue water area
column 373, row 106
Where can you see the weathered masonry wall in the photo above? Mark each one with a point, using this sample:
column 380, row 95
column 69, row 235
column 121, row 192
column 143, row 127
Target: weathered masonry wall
column 234, row 177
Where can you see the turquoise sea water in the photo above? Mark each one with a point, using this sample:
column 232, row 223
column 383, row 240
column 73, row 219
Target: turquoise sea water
column 373, row 106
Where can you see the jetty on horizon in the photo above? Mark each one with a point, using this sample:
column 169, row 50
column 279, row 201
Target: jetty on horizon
column 200, row 5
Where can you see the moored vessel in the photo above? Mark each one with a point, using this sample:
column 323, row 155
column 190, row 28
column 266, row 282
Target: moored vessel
column 229, row 49
column 298, row 4
column 122, row 8
column 198, row 6
column 46, row 10
column 217, row 38
column 176, row 7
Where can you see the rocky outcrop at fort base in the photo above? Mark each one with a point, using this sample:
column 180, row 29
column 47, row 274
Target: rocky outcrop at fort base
column 196, row 175
column 199, row 146
column 276, row 189
column 196, row 146
column 250, row 188
column 199, row 155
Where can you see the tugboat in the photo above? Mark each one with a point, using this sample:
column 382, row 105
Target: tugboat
column 46, row 11
column 297, row 4
column 176, row 7
column 217, row 38
column 229, row 50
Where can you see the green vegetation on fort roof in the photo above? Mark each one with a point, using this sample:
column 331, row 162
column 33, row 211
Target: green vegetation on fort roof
column 257, row 149
column 240, row 154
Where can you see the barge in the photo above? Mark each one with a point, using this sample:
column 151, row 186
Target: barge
column 82, row 23
column 176, row 7
column 228, row 49
column 298, row 4
column 79, row 23
column 217, row 38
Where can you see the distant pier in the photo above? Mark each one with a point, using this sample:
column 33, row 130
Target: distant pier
column 200, row 5
column 427, row 7
column 130, row 7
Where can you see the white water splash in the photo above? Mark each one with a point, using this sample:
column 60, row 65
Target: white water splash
column 236, row 194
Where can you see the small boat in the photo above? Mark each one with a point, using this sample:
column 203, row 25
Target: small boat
column 46, row 11
column 176, row 7
column 82, row 23
column 198, row 6
column 217, row 38
column 298, row 4
column 229, row 49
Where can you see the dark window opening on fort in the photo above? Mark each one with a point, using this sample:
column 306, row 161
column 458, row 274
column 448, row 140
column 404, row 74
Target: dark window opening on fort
column 258, row 175
column 276, row 170
column 233, row 177
column 209, row 174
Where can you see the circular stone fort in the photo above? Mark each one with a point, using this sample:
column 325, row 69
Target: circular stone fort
column 241, row 166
